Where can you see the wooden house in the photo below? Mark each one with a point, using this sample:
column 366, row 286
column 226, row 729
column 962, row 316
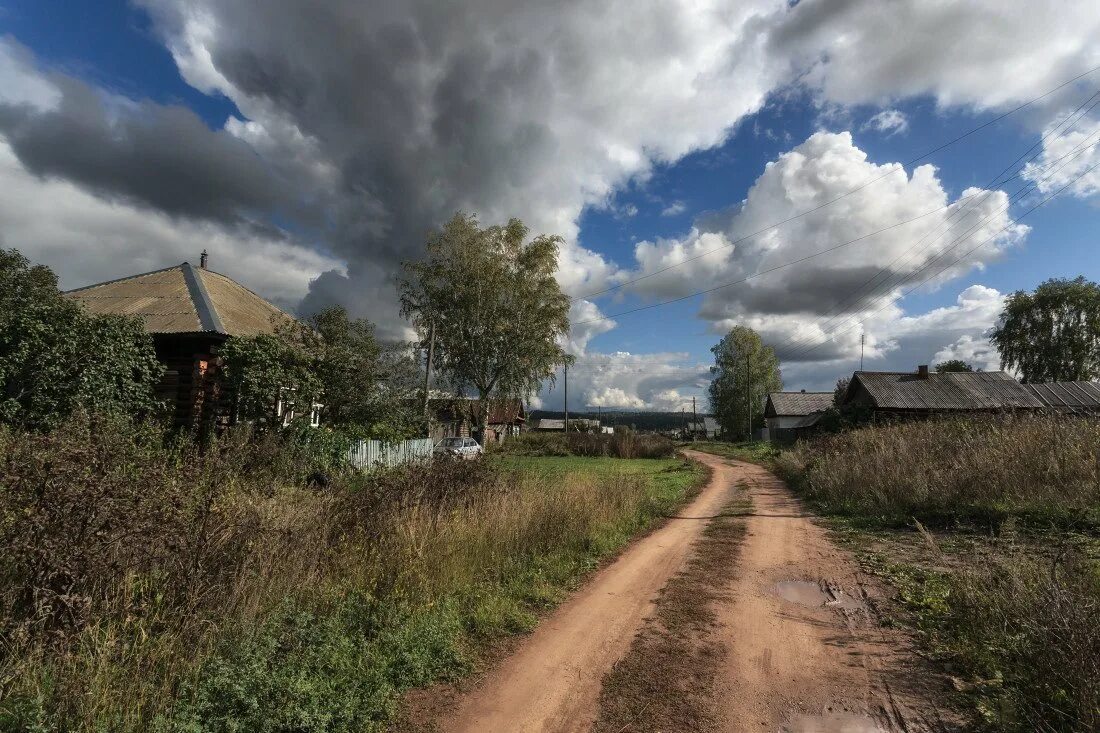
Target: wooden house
column 458, row 417
column 924, row 393
column 790, row 414
column 189, row 312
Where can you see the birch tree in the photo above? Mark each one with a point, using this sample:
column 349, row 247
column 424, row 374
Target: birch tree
column 497, row 311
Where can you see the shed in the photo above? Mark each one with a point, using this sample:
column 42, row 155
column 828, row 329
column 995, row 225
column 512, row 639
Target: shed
column 788, row 413
column 189, row 312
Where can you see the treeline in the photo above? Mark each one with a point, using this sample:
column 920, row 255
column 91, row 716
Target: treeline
column 641, row 421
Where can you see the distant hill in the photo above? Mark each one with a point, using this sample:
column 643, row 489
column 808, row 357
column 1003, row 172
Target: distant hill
column 637, row 420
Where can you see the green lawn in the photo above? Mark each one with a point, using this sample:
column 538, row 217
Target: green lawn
column 755, row 451
column 671, row 478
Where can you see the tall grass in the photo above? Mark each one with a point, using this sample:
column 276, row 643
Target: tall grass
column 145, row 587
column 1033, row 468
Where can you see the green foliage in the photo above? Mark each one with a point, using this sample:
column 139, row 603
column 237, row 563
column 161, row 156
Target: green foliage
column 745, row 371
column 332, row 670
column 333, row 360
column 953, row 365
column 1053, row 334
column 55, row 358
column 755, row 451
column 622, row 444
column 497, row 310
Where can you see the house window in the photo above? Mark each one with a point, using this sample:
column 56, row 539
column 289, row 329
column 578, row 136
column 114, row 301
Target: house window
column 315, row 415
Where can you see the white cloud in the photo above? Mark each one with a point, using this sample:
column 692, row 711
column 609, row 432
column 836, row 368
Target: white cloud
column 888, row 121
column 622, row 380
column 20, row 83
column 813, row 303
column 1068, row 154
column 674, row 209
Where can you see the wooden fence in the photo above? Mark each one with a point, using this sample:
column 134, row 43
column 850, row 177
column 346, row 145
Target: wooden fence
column 369, row 454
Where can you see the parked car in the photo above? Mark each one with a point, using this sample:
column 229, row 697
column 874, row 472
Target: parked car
column 466, row 448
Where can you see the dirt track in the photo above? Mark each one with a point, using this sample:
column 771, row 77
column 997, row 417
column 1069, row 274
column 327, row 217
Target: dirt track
column 800, row 649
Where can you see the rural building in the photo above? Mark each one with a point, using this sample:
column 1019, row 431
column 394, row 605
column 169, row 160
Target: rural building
column 457, row 417
column 576, row 425
column 189, row 311
column 706, row 428
column 789, row 414
column 920, row 393
column 1074, row 398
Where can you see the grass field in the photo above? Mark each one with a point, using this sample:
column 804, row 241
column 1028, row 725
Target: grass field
column 145, row 587
column 755, row 451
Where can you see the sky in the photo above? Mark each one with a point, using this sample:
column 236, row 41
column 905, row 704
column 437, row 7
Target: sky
column 825, row 172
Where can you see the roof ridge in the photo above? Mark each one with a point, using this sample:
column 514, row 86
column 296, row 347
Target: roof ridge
column 204, row 306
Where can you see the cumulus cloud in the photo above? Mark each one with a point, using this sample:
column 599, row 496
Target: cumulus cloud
column 622, row 380
column 888, row 121
column 810, row 303
column 1070, row 157
column 674, row 209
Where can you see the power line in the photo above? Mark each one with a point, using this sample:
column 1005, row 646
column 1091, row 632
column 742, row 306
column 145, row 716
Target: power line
column 859, row 188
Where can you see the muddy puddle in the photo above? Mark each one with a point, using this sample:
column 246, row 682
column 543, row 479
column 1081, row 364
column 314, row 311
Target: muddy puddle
column 833, row 723
column 814, row 595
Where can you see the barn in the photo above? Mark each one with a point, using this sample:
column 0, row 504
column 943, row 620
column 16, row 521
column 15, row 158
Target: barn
column 789, row 414
column 923, row 393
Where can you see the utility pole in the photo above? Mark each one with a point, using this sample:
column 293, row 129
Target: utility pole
column 565, row 402
column 428, row 365
column 748, row 393
column 599, row 416
column 862, row 336
column 683, row 422
column 694, row 418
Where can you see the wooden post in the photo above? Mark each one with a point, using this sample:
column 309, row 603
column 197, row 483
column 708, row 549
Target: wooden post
column 565, row 402
column 694, row 419
column 428, row 370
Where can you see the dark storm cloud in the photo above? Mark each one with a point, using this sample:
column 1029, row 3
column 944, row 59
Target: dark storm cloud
column 161, row 156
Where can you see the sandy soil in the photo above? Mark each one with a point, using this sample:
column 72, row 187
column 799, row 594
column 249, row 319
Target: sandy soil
column 552, row 682
column 806, row 652
column 798, row 647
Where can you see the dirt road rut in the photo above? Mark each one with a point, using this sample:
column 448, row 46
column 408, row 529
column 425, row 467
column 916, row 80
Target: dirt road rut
column 801, row 651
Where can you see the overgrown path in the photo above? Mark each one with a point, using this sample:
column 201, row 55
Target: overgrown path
column 783, row 637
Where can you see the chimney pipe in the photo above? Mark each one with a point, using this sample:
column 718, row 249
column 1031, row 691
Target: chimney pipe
column 202, row 259
column 922, row 371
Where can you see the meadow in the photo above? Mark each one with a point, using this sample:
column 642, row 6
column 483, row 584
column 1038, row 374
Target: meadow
column 153, row 586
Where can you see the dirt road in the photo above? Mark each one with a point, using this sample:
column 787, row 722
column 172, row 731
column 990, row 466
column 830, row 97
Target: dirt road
column 800, row 650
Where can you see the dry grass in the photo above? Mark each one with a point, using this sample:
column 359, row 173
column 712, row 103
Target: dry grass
column 622, row 444
column 148, row 587
column 1033, row 468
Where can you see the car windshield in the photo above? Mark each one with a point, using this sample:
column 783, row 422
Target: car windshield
column 451, row 443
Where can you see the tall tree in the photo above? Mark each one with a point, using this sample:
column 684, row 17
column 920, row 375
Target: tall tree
column 1053, row 334
column 55, row 357
column 953, row 365
column 497, row 310
column 745, row 372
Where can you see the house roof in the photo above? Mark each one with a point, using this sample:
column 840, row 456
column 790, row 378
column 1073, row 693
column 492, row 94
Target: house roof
column 183, row 299
column 1068, row 396
column 790, row 404
column 546, row 423
column 944, row 392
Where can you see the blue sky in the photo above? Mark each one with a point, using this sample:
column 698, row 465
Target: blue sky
column 310, row 146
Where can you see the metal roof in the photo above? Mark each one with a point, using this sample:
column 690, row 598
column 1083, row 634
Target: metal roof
column 945, row 392
column 183, row 299
column 790, row 404
column 1068, row 396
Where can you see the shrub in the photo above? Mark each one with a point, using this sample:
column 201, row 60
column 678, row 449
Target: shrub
column 621, row 444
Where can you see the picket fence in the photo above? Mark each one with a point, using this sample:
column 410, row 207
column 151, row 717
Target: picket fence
column 367, row 454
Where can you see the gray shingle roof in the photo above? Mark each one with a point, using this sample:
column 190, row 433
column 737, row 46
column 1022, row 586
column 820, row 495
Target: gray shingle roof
column 1068, row 396
column 946, row 392
column 787, row 404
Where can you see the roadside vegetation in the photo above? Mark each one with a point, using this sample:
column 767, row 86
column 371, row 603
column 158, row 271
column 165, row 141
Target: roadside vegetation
column 990, row 531
column 755, row 451
column 146, row 586
column 624, row 443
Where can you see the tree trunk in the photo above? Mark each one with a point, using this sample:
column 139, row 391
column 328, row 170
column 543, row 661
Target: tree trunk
column 483, row 418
